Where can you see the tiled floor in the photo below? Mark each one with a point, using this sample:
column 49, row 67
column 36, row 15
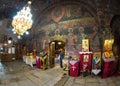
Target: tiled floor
column 17, row 73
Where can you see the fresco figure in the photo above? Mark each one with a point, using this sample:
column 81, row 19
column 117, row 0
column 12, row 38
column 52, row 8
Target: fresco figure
column 46, row 40
column 57, row 32
column 71, row 39
column 81, row 36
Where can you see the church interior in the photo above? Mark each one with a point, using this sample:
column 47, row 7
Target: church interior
column 59, row 42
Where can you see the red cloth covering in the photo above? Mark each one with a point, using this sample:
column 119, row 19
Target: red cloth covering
column 74, row 68
column 107, row 68
column 85, row 61
column 38, row 62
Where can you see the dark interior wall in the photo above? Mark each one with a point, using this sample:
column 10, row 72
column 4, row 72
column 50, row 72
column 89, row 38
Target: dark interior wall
column 115, row 29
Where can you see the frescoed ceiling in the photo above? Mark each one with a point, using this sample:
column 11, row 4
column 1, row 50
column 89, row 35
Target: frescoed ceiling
column 9, row 8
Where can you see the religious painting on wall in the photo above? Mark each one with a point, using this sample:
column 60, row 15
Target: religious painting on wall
column 74, row 23
column 95, row 42
column 71, row 39
column 46, row 41
column 58, row 13
column 85, row 45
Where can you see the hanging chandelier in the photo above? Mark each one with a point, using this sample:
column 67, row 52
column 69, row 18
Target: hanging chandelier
column 23, row 20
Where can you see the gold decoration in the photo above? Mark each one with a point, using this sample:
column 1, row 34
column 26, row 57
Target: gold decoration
column 59, row 37
column 108, row 44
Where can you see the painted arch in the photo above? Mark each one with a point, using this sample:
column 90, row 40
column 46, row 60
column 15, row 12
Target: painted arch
column 66, row 16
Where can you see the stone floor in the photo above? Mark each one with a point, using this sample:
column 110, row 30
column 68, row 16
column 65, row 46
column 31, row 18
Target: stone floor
column 17, row 73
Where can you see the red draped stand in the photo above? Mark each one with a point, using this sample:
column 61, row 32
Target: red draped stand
column 85, row 61
column 74, row 68
column 107, row 67
column 37, row 62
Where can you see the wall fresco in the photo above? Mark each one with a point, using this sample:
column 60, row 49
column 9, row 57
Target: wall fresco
column 74, row 22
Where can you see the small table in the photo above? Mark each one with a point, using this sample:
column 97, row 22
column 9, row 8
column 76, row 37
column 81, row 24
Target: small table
column 74, row 68
column 30, row 60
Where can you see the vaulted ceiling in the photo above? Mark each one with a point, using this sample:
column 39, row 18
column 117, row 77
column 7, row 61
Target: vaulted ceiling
column 9, row 8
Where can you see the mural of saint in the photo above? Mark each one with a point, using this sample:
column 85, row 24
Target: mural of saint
column 58, row 13
column 81, row 35
column 57, row 32
column 71, row 39
column 95, row 43
column 46, row 40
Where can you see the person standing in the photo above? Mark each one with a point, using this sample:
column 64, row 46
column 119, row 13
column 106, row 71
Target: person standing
column 61, row 57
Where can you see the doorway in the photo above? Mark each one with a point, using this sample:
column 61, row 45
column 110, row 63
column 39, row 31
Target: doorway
column 54, row 50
